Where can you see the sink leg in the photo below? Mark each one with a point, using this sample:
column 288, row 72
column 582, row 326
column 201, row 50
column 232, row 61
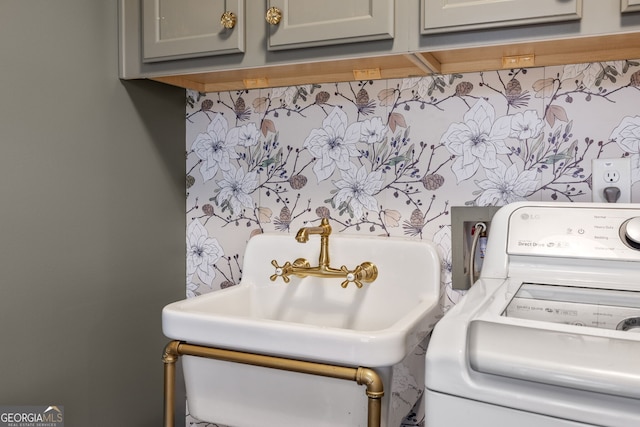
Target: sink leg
column 363, row 376
column 170, row 357
column 375, row 391
column 375, row 408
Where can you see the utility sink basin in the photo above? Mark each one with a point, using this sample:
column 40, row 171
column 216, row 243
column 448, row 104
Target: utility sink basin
column 314, row 318
column 379, row 325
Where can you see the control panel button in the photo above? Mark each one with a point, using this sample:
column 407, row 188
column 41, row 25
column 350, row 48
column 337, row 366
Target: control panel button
column 630, row 232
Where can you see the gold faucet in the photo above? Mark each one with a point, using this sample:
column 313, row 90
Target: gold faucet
column 365, row 272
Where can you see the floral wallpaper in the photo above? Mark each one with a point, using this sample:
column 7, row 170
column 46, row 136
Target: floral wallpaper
column 391, row 157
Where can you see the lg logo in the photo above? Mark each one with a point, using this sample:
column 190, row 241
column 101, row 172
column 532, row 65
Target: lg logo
column 526, row 217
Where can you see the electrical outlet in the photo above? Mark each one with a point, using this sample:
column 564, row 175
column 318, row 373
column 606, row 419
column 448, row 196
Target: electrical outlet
column 610, row 176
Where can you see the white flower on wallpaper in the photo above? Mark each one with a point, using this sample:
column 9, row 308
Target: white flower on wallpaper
column 192, row 288
column 478, row 140
column 202, row 253
column 333, row 144
column 627, row 136
column 373, row 130
column 356, row 190
column 245, row 136
column 506, row 185
column 236, row 187
column 526, row 125
column 442, row 240
column 214, row 149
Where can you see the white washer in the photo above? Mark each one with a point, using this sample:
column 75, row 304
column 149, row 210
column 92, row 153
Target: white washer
column 548, row 336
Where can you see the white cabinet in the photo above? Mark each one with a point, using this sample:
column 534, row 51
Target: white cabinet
column 454, row 15
column 173, row 29
column 629, row 5
column 307, row 23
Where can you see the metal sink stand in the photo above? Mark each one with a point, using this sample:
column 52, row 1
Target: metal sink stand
column 363, row 376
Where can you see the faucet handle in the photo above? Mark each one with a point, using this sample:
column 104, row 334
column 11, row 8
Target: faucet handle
column 351, row 276
column 287, row 269
column 281, row 271
column 365, row 272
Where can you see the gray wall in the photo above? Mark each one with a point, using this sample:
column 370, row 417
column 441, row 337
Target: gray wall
column 91, row 216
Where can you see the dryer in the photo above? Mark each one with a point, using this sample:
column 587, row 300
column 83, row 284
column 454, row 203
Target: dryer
column 549, row 335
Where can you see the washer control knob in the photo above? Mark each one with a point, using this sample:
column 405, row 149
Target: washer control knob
column 629, row 324
column 630, row 232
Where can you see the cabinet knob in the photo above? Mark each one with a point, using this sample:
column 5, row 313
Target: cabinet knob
column 228, row 20
column 274, row 15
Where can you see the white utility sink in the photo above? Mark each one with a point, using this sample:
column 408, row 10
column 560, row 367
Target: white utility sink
column 311, row 318
column 314, row 318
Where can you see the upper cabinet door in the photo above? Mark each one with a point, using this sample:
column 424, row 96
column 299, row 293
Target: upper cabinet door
column 438, row 16
column 307, row 23
column 174, row 29
column 629, row 5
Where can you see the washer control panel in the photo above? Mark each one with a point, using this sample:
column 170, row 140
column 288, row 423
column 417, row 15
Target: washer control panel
column 598, row 233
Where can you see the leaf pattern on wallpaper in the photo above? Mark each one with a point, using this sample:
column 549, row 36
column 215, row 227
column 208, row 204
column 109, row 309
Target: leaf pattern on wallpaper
column 260, row 105
column 555, row 112
column 395, row 120
column 391, row 217
column 544, row 88
column 387, row 97
column 592, row 74
column 267, row 126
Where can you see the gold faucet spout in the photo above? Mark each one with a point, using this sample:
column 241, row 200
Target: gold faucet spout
column 324, row 230
column 365, row 272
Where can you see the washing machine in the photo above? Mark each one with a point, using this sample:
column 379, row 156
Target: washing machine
column 549, row 335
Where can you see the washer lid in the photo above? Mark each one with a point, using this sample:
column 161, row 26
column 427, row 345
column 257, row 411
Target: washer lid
column 598, row 363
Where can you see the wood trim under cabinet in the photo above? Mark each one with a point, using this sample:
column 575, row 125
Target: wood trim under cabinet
column 391, row 67
column 544, row 53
